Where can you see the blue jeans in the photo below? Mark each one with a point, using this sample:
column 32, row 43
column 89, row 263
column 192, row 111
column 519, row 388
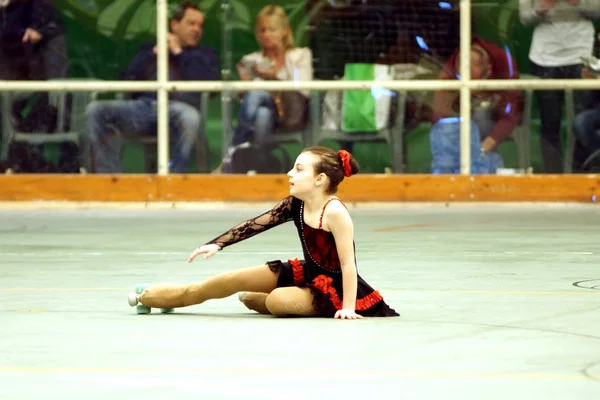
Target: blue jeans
column 256, row 119
column 445, row 149
column 106, row 120
column 586, row 127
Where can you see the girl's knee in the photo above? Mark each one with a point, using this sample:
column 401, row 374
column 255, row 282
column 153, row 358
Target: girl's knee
column 275, row 302
column 283, row 302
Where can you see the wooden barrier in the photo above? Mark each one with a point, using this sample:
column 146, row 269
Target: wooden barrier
column 242, row 188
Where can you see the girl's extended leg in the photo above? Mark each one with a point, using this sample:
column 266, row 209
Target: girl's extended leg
column 255, row 279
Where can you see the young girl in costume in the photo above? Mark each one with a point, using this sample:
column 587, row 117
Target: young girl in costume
column 325, row 284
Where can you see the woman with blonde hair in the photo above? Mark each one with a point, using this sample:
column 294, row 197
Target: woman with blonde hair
column 278, row 59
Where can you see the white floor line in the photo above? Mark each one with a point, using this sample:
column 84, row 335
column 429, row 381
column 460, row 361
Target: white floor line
column 44, row 253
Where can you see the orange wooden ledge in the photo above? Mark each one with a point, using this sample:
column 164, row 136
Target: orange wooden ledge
column 242, row 188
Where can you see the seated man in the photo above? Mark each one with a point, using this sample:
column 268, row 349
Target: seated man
column 587, row 123
column 494, row 114
column 187, row 61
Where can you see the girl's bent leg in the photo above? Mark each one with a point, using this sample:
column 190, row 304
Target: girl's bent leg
column 291, row 302
column 256, row 302
column 255, row 279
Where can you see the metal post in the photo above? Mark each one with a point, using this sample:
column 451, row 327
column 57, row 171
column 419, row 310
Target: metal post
column 162, row 95
column 465, row 92
column 226, row 95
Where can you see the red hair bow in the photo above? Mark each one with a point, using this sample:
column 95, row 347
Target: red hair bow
column 345, row 156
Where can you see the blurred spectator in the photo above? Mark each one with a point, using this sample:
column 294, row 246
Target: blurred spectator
column 32, row 47
column 138, row 116
column 32, row 42
column 563, row 34
column 262, row 113
column 495, row 114
column 587, row 124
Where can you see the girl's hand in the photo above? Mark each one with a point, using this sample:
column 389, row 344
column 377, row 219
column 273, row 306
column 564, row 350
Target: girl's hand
column 346, row 313
column 208, row 250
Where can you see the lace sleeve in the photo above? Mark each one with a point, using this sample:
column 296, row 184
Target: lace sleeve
column 279, row 214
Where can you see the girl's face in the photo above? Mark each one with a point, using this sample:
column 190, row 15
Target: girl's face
column 270, row 33
column 302, row 177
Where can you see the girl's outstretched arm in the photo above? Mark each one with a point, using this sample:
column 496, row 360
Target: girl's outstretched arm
column 279, row 214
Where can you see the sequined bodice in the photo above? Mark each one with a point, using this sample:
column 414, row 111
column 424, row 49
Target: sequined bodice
column 318, row 245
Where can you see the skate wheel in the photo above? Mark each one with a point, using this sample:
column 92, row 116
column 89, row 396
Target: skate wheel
column 167, row 310
column 140, row 309
column 132, row 299
column 140, row 288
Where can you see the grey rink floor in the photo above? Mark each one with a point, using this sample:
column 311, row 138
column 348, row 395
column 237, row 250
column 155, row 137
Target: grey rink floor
column 496, row 302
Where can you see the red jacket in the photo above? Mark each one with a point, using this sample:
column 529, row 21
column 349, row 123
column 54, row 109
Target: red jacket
column 508, row 108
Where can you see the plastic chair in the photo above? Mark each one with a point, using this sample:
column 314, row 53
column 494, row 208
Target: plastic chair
column 73, row 118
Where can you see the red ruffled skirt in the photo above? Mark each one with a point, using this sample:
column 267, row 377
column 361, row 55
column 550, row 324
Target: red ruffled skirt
column 327, row 291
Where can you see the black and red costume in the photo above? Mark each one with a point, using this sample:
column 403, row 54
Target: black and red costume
column 320, row 271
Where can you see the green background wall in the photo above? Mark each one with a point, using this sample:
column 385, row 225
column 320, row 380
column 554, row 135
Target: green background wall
column 103, row 36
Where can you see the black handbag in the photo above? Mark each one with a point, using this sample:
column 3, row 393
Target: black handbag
column 292, row 108
column 247, row 157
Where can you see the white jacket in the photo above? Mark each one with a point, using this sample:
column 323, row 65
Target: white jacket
column 297, row 67
column 563, row 35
